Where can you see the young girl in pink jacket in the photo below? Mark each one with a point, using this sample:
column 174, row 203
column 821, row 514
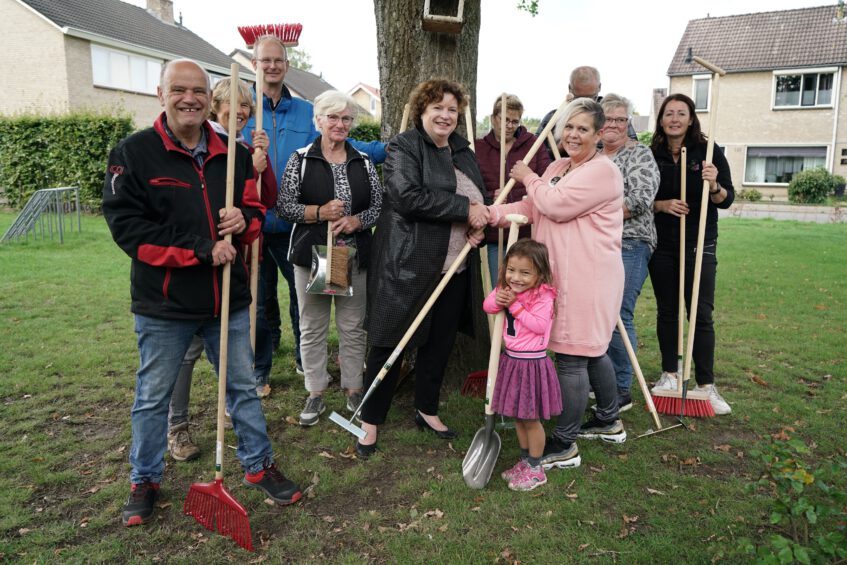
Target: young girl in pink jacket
column 527, row 388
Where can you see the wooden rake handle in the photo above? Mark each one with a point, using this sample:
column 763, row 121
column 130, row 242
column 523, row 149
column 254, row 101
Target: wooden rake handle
column 642, row 384
column 224, row 329
column 254, row 247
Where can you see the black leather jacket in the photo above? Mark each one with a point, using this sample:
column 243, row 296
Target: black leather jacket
column 413, row 231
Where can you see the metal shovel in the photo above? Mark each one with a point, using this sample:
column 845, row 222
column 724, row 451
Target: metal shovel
column 485, row 447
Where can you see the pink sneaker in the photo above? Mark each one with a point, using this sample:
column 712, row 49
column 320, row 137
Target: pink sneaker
column 510, row 474
column 528, row 479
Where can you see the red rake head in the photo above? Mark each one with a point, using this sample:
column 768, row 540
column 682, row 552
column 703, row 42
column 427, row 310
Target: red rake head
column 213, row 506
column 289, row 34
column 474, row 385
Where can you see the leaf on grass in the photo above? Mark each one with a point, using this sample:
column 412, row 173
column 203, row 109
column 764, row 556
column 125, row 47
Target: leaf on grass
column 476, row 509
column 292, row 420
column 623, row 457
column 654, row 491
column 24, row 531
column 366, row 526
column 694, row 461
column 548, row 513
column 430, row 470
column 349, row 453
column 435, row 514
column 571, row 495
column 443, row 528
column 270, row 502
column 92, row 490
column 629, row 519
column 820, row 307
column 725, row 447
column 163, row 505
column 326, row 454
column 450, row 446
column 382, row 529
column 328, row 519
column 582, row 546
column 758, row 380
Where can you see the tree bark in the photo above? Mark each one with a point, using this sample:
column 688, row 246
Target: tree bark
column 408, row 54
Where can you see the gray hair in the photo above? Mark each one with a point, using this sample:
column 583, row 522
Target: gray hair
column 168, row 64
column 334, row 101
column 580, row 106
column 612, row 101
column 585, row 75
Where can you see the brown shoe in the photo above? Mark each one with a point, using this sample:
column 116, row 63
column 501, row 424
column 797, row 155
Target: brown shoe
column 180, row 444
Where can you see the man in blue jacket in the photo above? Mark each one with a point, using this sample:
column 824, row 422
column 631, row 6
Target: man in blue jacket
column 289, row 124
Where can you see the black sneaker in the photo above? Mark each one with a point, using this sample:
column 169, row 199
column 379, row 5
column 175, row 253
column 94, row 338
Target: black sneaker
column 274, row 484
column 560, row 454
column 141, row 503
column 612, row 432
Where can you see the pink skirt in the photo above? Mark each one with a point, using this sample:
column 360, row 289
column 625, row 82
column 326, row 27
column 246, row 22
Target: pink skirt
column 527, row 389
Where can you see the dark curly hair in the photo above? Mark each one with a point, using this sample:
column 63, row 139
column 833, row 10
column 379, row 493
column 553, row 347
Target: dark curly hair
column 431, row 91
column 693, row 136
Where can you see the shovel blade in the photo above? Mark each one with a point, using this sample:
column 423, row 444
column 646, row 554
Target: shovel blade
column 482, row 456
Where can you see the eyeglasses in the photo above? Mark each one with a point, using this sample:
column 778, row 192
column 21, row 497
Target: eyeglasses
column 509, row 122
column 273, row 62
column 334, row 119
column 616, row 121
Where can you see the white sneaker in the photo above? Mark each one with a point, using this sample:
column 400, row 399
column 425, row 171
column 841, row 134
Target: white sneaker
column 666, row 382
column 719, row 405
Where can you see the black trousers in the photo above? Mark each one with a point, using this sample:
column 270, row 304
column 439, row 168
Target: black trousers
column 432, row 357
column 664, row 274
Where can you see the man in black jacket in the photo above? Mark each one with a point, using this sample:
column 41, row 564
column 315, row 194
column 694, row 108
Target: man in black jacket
column 164, row 188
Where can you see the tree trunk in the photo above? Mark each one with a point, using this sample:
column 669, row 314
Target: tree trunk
column 408, row 54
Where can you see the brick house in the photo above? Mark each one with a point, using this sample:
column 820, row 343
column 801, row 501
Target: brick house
column 780, row 108
column 65, row 55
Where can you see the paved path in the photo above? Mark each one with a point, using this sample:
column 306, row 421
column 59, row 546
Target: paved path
column 817, row 214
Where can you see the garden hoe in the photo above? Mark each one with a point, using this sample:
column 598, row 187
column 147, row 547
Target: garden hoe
column 210, row 503
column 348, row 424
column 485, row 447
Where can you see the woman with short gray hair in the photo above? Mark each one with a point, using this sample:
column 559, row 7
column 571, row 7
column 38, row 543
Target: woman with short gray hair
column 640, row 184
column 329, row 181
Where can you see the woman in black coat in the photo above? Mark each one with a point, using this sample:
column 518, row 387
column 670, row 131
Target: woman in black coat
column 433, row 195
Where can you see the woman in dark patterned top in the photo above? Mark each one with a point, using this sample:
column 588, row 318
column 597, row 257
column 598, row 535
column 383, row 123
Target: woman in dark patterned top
column 330, row 181
column 640, row 183
column 677, row 126
column 433, row 192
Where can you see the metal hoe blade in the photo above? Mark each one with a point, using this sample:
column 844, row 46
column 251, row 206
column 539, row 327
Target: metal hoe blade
column 348, row 425
column 481, row 456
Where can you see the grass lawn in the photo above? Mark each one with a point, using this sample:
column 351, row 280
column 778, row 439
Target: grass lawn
column 67, row 372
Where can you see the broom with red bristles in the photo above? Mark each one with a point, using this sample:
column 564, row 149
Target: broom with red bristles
column 210, row 503
column 676, row 401
column 289, row 34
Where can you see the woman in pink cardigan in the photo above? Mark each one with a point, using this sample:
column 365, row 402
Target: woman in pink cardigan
column 577, row 209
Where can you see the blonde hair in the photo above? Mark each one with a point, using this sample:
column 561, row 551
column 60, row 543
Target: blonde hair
column 221, row 94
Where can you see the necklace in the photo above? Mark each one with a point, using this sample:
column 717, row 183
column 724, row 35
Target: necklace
column 570, row 168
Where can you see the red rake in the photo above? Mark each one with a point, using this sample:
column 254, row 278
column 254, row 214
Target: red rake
column 214, row 508
column 210, row 503
column 289, row 34
column 474, row 385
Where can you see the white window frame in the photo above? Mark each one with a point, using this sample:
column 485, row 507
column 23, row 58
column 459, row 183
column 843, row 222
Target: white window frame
column 800, row 106
column 694, row 79
column 104, row 78
column 744, row 180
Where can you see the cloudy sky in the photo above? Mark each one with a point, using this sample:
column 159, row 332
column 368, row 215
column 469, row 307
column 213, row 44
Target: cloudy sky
column 631, row 43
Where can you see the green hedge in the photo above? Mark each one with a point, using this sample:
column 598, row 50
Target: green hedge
column 51, row 151
column 366, row 130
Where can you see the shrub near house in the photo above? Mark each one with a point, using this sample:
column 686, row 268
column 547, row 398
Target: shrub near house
column 811, row 186
column 51, row 151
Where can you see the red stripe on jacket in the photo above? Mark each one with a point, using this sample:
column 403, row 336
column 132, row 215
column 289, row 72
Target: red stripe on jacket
column 159, row 256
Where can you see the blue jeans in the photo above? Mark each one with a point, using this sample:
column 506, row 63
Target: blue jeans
column 636, row 256
column 162, row 345
column 276, row 255
column 493, row 262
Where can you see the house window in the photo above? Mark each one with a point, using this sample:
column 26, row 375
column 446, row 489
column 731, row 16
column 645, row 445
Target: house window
column 803, row 90
column 373, row 104
column 780, row 164
column 702, row 87
column 123, row 70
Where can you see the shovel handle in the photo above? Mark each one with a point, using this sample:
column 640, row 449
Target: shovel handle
column 638, row 374
column 517, row 220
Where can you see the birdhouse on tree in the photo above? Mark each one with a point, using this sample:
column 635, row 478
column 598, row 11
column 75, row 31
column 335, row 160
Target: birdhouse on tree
column 443, row 16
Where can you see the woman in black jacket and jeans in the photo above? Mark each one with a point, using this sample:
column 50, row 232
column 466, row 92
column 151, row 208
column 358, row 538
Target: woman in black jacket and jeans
column 678, row 126
column 433, row 193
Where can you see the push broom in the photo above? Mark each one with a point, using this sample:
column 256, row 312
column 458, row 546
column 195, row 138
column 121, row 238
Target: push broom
column 210, row 503
column 398, row 349
column 697, row 402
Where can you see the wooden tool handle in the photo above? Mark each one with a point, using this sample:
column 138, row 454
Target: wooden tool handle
column 701, row 232
column 680, row 336
column 516, row 220
column 502, row 140
column 404, row 121
column 551, row 139
column 328, row 251
column 224, row 328
column 642, row 384
column 469, row 124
